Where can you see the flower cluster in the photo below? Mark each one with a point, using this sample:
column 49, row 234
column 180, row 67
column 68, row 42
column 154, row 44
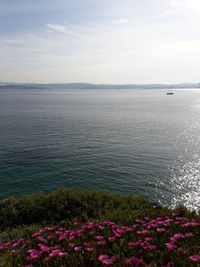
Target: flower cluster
column 162, row 241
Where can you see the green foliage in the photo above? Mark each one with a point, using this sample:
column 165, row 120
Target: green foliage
column 77, row 205
column 72, row 204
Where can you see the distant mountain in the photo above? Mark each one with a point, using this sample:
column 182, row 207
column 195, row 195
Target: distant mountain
column 94, row 86
column 19, row 86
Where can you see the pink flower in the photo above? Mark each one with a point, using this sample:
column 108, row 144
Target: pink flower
column 169, row 221
column 153, row 225
column 50, row 237
column 101, row 243
column 120, row 231
column 159, row 218
column 115, row 258
column 63, row 237
column 86, row 244
column 36, row 234
column 170, row 264
column 78, row 249
column 44, row 248
column 102, row 257
column 91, row 232
column 47, row 259
column 62, row 254
column 50, row 228
column 34, row 254
column 56, row 247
column 161, row 230
column 76, row 223
column 191, row 224
column 144, row 243
column 42, row 239
column 116, row 234
column 108, row 262
column 180, row 250
column 150, row 247
column 149, row 239
column 101, row 227
column 143, row 232
column 181, row 219
column 54, row 253
column 90, row 249
column 136, row 260
column 71, row 238
column 15, row 251
column 26, row 244
column 89, row 226
column 59, row 233
column 16, row 244
column 189, row 235
column 138, row 221
column 79, row 233
column 170, row 246
column 178, row 236
column 5, row 246
column 195, row 258
column 71, row 245
column 129, row 230
column 127, row 261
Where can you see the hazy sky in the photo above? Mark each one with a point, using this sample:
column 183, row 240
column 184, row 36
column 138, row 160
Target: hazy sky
column 100, row 41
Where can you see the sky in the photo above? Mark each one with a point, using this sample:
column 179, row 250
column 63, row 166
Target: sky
column 100, row 41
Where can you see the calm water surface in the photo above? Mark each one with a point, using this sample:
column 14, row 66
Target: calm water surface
column 124, row 141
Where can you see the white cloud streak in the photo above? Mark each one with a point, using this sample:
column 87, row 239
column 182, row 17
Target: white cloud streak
column 56, row 27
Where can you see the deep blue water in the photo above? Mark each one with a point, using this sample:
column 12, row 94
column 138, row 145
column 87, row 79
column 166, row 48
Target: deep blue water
column 139, row 142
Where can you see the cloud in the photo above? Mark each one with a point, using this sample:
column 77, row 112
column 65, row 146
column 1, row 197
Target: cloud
column 193, row 5
column 119, row 21
column 56, row 27
column 176, row 2
column 186, row 5
column 165, row 14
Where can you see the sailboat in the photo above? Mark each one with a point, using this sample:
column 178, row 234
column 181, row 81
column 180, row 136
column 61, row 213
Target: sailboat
column 169, row 92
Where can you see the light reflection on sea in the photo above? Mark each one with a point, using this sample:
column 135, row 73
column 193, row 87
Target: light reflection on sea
column 185, row 177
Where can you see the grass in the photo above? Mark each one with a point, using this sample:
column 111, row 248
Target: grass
column 126, row 230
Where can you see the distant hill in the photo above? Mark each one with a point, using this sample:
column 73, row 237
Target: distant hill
column 94, row 86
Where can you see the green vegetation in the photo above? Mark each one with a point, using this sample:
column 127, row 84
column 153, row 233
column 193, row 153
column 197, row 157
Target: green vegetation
column 73, row 205
column 123, row 221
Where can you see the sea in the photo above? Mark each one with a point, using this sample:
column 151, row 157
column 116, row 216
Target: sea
column 126, row 141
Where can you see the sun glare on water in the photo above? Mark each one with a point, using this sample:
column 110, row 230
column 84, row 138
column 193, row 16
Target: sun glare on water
column 186, row 176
